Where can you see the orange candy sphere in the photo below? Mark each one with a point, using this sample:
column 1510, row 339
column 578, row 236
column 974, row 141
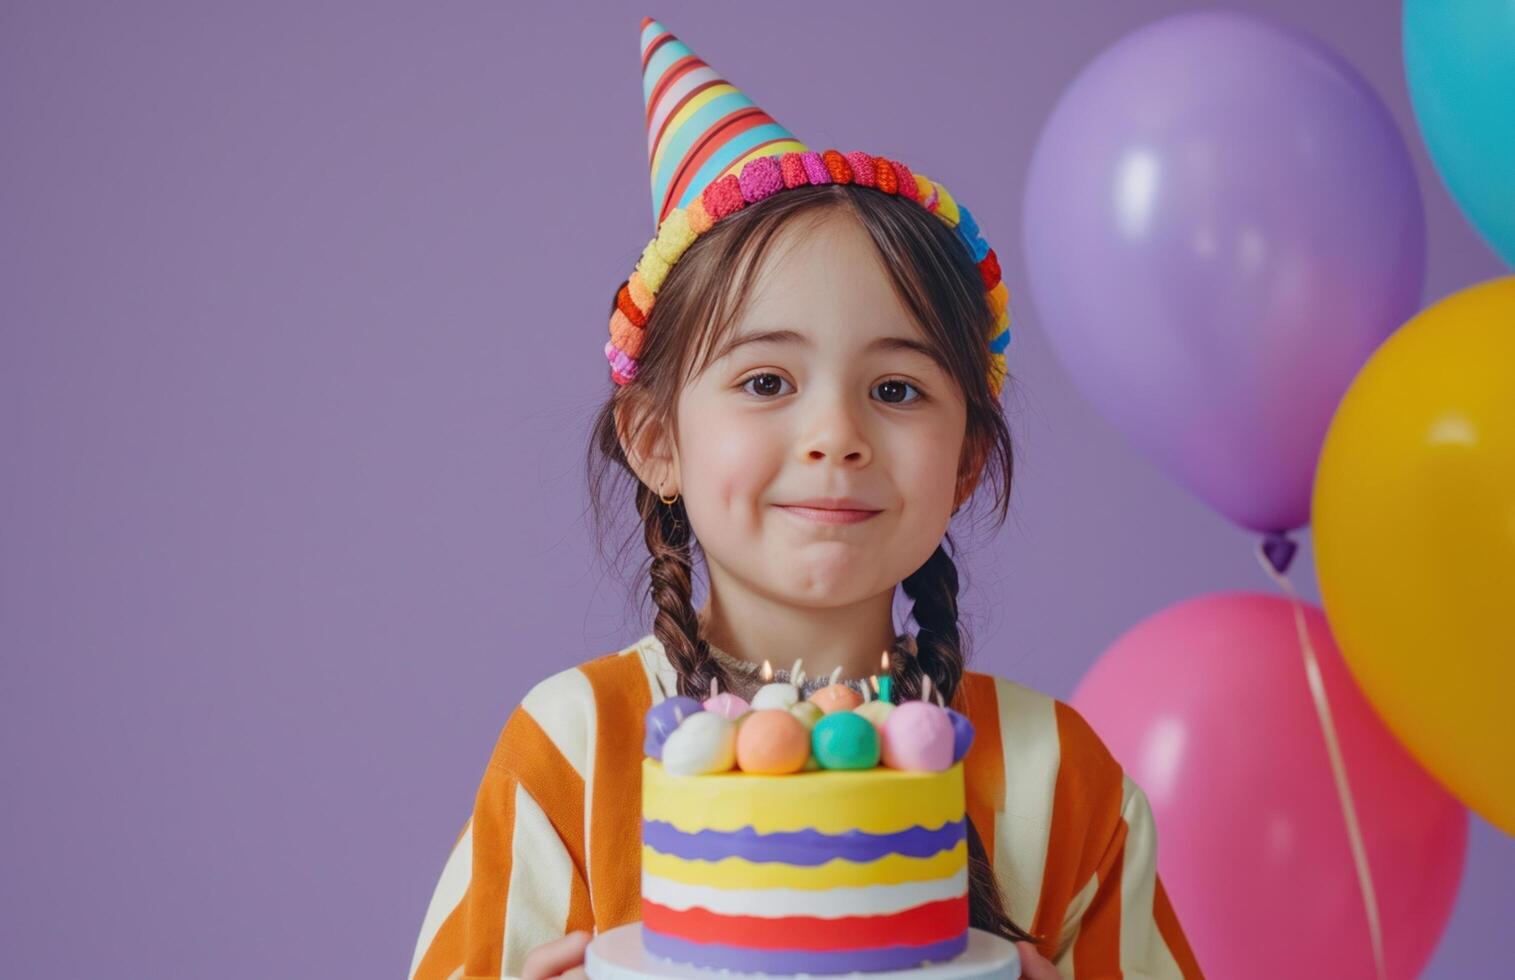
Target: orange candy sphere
column 773, row 741
column 836, row 697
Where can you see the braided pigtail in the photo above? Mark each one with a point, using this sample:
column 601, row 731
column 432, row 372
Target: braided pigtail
column 676, row 624
column 938, row 645
column 936, row 651
column 986, row 906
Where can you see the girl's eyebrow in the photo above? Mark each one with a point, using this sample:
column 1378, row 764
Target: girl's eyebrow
column 795, row 337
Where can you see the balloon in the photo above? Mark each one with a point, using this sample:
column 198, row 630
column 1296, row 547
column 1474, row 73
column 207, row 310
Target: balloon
column 1207, row 707
column 1461, row 75
column 1221, row 225
column 1415, row 540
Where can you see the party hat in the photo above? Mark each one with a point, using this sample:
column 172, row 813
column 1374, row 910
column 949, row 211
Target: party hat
column 700, row 127
column 712, row 152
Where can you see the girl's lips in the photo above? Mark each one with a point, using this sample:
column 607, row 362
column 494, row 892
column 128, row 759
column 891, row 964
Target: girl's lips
column 822, row 515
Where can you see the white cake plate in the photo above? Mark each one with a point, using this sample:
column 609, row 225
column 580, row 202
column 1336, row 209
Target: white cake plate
column 618, row 955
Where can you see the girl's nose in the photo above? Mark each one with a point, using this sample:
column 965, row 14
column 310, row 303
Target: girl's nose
column 836, row 434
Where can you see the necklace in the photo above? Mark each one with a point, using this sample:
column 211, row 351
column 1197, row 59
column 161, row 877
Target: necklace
column 746, row 676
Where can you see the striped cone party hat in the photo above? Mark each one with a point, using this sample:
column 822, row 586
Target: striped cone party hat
column 712, row 152
column 700, row 127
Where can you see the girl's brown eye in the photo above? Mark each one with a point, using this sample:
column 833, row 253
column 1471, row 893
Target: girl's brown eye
column 767, row 384
column 894, row 390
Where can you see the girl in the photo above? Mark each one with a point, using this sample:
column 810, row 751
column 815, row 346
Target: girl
column 803, row 409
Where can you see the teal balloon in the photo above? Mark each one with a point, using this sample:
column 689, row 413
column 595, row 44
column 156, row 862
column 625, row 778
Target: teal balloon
column 844, row 740
column 1460, row 69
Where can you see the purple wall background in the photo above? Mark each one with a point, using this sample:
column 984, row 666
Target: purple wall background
column 302, row 316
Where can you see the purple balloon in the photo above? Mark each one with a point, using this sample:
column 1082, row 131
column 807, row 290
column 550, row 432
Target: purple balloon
column 663, row 718
column 1222, row 224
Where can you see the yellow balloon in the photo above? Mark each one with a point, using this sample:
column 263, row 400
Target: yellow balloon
column 1414, row 527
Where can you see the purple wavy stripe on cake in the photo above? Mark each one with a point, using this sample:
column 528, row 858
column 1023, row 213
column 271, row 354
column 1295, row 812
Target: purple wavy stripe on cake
column 789, row 961
column 801, row 847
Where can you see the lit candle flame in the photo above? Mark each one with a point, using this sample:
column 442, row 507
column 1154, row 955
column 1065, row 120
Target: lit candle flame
column 884, row 662
column 767, row 671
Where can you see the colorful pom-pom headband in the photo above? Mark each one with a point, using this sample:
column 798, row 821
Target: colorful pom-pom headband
column 762, row 177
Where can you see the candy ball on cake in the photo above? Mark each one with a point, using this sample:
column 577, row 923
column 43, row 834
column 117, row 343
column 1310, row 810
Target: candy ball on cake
column 836, row 696
column 808, row 713
column 918, row 736
column 962, row 734
column 724, row 703
column 662, row 719
column 705, row 742
column 877, row 712
column 771, row 740
column 845, row 740
column 778, row 694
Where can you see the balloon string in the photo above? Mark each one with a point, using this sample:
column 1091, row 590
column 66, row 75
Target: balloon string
column 1338, row 766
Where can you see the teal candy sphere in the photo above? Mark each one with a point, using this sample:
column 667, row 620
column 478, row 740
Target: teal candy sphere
column 845, row 740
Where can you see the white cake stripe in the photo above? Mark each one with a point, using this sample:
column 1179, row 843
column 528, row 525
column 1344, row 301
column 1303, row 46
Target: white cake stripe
column 824, row 903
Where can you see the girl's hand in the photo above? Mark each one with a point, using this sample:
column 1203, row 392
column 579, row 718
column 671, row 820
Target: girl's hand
column 563, row 958
column 1035, row 966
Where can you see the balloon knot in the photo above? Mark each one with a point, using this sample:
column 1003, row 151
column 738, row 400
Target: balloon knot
column 1280, row 551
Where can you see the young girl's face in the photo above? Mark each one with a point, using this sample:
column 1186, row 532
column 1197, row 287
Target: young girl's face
column 828, row 392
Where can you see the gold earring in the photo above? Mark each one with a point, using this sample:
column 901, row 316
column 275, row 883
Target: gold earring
column 666, row 500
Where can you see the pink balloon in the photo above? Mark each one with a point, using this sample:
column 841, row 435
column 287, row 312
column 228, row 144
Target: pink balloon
column 1207, row 706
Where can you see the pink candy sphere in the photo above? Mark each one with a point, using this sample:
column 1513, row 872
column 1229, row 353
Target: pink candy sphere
column 918, row 736
column 727, row 705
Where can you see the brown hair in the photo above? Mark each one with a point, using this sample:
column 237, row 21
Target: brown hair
column 937, row 280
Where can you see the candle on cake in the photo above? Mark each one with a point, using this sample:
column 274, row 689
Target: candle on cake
column 886, row 683
column 777, row 695
column 836, row 696
column 724, row 703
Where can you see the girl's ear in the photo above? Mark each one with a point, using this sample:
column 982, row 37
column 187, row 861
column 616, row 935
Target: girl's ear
column 649, row 451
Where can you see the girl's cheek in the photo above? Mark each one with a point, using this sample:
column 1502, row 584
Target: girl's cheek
column 932, row 477
column 734, row 462
column 750, row 437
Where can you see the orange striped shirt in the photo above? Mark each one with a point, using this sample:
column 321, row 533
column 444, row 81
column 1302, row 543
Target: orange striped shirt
column 553, row 843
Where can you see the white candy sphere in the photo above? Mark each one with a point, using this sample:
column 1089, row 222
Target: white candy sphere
column 783, row 696
column 705, row 742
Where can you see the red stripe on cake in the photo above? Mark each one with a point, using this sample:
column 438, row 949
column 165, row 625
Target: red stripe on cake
column 932, row 922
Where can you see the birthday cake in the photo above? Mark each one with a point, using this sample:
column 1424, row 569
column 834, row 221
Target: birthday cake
column 823, row 836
